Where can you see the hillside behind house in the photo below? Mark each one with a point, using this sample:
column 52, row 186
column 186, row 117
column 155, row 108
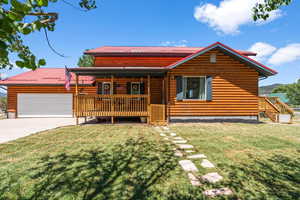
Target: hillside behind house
column 268, row 88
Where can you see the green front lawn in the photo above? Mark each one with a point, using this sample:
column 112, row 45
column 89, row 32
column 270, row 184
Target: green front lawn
column 258, row 161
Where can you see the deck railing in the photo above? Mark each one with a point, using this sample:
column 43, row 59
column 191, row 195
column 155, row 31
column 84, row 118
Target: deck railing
column 111, row 105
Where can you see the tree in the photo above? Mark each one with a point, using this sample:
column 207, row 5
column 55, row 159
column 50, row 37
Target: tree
column 292, row 92
column 86, row 61
column 280, row 89
column 13, row 13
column 263, row 10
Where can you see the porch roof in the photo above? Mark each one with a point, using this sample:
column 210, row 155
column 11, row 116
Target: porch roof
column 120, row 71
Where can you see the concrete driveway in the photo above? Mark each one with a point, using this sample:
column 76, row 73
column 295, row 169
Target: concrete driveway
column 11, row 129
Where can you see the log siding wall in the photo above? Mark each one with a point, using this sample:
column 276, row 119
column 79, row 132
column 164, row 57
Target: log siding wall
column 134, row 61
column 234, row 87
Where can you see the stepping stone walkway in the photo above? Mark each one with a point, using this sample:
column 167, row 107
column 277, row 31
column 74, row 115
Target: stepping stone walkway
column 212, row 177
column 189, row 151
column 188, row 166
column 185, row 146
column 178, row 153
column 196, row 156
column 173, row 134
column 207, row 164
column 218, row 192
column 179, row 141
column 194, row 180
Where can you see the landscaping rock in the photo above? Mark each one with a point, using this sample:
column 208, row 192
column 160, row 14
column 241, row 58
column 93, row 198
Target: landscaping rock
column 207, row 164
column 185, row 146
column 163, row 135
column 188, row 166
column 212, row 177
column 194, row 180
column 173, row 134
column 189, row 151
column 165, row 128
column 197, row 156
column 179, row 141
column 217, row 192
column 178, row 153
column 178, row 138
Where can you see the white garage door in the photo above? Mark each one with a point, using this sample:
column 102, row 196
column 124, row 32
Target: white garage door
column 45, row 105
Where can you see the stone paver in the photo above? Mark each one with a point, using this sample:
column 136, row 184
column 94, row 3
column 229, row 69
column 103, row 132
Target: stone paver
column 207, row 164
column 163, row 135
column 179, row 141
column 178, row 153
column 178, row 138
column 165, row 128
column 218, row 192
column 185, row 146
column 194, row 180
column 188, row 166
column 173, row 134
column 212, row 177
column 196, row 156
column 189, row 151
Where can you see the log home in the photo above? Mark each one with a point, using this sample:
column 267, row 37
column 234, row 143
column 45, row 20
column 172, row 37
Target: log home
column 161, row 84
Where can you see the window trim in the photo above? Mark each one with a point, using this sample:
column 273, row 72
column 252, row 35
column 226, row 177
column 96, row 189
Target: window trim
column 111, row 90
column 184, row 88
column 139, row 83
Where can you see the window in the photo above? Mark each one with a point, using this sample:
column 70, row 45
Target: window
column 194, row 88
column 106, row 88
column 135, row 88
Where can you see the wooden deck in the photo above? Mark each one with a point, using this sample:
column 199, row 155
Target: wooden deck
column 117, row 105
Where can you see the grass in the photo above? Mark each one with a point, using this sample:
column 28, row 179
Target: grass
column 258, row 161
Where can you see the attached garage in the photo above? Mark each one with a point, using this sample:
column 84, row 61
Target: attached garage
column 44, row 105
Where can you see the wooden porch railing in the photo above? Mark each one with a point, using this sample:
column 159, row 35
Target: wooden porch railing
column 115, row 105
column 266, row 106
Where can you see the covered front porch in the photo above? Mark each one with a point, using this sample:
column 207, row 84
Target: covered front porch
column 126, row 92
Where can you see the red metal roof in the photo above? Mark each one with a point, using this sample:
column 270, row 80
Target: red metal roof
column 44, row 76
column 151, row 50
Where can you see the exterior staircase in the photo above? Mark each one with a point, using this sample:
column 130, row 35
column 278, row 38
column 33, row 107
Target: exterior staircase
column 276, row 110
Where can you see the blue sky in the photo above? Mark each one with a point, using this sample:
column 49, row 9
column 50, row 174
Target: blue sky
column 174, row 22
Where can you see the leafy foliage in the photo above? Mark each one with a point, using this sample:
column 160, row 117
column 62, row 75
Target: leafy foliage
column 13, row 13
column 292, row 91
column 3, row 103
column 86, row 61
column 263, row 10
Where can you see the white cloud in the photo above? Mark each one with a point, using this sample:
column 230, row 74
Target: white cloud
column 180, row 43
column 262, row 49
column 286, row 54
column 229, row 15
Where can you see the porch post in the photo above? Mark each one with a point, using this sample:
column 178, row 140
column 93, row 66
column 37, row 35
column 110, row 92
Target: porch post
column 149, row 99
column 76, row 97
column 167, row 79
column 112, row 100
